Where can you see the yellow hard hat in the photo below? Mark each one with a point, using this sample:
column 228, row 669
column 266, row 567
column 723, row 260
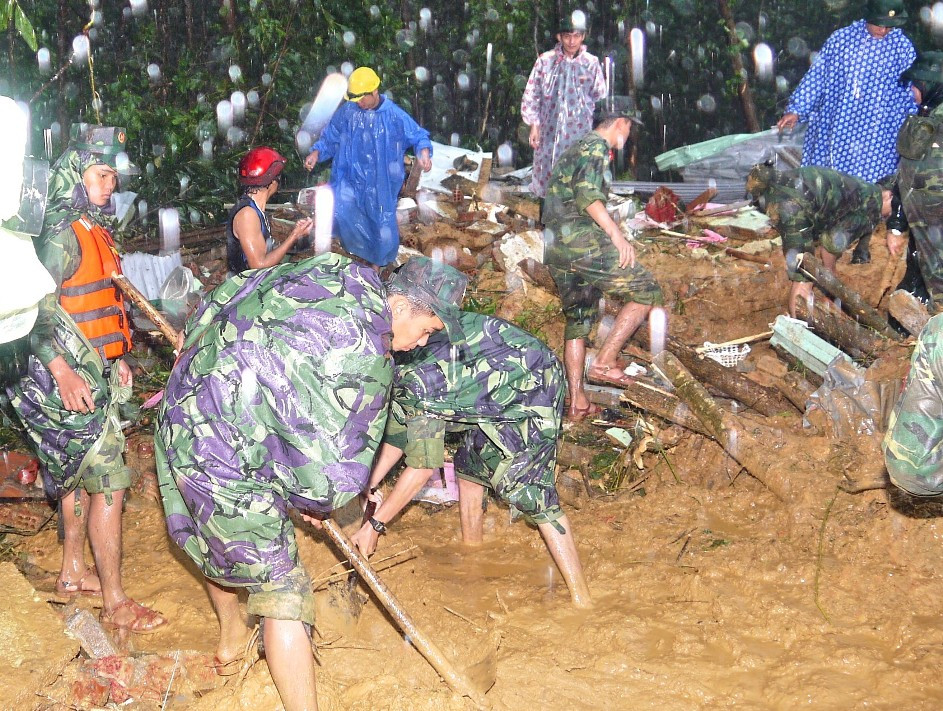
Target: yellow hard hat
column 363, row 81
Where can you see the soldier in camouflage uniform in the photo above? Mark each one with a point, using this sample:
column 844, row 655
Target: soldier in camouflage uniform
column 278, row 401
column 920, row 176
column 589, row 257
column 504, row 389
column 68, row 399
column 816, row 209
column 913, row 445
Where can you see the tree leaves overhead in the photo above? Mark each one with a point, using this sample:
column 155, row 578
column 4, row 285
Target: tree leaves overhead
column 163, row 67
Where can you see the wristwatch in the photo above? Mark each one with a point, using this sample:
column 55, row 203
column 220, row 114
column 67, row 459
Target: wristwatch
column 378, row 526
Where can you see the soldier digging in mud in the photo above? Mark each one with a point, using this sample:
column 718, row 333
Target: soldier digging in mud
column 504, row 389
column 278, row 401
column 816, row 209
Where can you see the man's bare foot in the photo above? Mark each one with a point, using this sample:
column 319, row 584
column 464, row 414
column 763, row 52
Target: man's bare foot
column 609, row 374
column 578, row 414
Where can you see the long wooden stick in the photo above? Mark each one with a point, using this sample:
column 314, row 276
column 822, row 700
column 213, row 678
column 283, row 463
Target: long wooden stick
column 456, row 681
column 131, row 291
column 737, row 341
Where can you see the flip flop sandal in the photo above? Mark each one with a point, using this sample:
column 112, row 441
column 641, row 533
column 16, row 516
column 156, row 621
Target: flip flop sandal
column 230, row 668
column 608, row 379
column 581, row 413
column 69, row 588
column 145, row 620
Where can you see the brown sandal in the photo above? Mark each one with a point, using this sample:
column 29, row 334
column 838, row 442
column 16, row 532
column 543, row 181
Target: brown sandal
column 145, row 619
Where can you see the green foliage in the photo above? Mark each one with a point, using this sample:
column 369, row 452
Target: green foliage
column 11, row 14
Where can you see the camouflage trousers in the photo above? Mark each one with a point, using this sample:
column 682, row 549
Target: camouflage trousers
column 76, row 449
column 913, row 445
column 584, row 265
column 921, row 189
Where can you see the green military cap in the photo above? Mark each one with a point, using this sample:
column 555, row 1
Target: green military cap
column 436, row 285
column 613, row 107
column 886, row 13
column 109, row 143
column 928, row 67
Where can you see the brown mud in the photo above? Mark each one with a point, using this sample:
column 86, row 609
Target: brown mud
column 709, row 592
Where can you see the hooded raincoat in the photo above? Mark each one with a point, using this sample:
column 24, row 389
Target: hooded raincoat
column 76, row 449
column 367, row 148
column 560, row 96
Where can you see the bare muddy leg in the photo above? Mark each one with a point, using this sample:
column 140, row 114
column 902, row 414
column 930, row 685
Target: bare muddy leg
column 289, row 657
column 563, row 550
column 470, row 496
column 234, row 630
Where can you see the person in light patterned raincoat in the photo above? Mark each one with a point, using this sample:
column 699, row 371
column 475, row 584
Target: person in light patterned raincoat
column 278, row 401
column 504, row 389
column 559, row 98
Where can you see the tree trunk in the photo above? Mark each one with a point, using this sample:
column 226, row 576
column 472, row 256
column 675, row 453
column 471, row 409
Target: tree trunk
column 746, row 96
column 754, row 453
column 764, row 400
column 851, row 300
column 829, row 322
column 662, row 404
column 909, row 312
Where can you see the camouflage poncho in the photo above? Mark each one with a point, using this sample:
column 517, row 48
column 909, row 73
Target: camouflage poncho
column 278, row 400
column 504, row 388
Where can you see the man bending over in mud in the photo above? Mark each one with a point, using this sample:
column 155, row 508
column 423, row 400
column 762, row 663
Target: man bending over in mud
column 589, row 257
column 279, row 400
column 816, row 209
column 504, row 388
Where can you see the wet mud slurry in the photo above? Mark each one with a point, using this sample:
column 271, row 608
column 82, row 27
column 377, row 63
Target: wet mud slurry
column 710, row 593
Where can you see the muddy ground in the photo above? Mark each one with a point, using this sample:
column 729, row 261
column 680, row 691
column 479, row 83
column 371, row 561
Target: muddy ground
column 709, row 591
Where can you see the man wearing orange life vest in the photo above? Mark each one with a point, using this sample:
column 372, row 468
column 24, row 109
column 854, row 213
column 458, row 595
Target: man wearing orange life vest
column 76, row 378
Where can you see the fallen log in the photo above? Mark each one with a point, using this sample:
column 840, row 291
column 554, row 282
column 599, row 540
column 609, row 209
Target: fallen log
column 908, row 310
column 851, row 300
column 753, row 452
column 662, row 404
column 766, row 401
column 831, row 323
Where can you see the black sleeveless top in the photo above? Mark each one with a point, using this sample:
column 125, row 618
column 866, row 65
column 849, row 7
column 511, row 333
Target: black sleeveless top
column 235, row 257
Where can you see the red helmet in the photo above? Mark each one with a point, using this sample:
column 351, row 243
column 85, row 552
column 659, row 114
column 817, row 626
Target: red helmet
column 260, row 166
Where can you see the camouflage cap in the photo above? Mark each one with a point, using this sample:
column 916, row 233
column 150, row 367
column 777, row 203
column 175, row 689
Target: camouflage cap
column 438, row 286
column 109, row 143
column 761, row 176
column 613, row 107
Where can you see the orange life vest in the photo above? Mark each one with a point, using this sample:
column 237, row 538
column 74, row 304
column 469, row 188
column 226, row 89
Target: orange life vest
column 91, row 297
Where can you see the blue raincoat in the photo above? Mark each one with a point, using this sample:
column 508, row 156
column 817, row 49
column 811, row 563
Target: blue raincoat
column 853, row 102
column 367, row 147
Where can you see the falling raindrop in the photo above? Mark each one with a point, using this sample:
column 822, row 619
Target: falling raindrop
column 184, row 184
column 80, row 48
column 252, row 97
column 224, row 116
column 238, row 101
column 579, row 20
column 782, row 85
column 43, row 60
column 797, row 47
column 425, row 19
column 657, row 104
column 745, row 31
column 169, row 226
column 138, row 7
column 142, row 210
column 282, row 124
column 323, row 218
column 374, row 11
column 122, row 162
column 235, row 73
column 637, row 49
column 488, row 64
column 207, row 149
column 303, row 141
column 491, row 15
column 97, row 104
column 510, row 29
column 455, row 140
column 250, row 387
column 651, row 29
column 657, row 329
column 347, row 69
column 422, row 74
column 266, row 79
column 97, row 18
column 505, row 155
column 153, row 73
column 349, row 38
column 235, row 135
column 707, row 104
column 195, row 217
column 464, row 83
column 763, row 61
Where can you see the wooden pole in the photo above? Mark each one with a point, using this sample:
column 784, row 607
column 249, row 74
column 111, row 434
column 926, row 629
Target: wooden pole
column 456, row 681
column 829, row 321
column 909, row 312
column 131, row 291
column 851, row 300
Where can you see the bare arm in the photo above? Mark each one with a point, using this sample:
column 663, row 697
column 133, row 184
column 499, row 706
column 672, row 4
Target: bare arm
column 248, row 231
column 601, row 217
column 409, row 483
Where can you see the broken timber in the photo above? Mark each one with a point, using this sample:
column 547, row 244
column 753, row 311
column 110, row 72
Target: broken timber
column 662, row 404
column 827, row 320
column 851, row 300
column 908, row 310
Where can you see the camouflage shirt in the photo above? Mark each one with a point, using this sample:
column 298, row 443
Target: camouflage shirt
column 913, row 446
column 580, row 177
column 502, row 374
column 810, row 206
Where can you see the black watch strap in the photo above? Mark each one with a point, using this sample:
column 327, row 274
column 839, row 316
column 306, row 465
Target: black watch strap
column 378, row 526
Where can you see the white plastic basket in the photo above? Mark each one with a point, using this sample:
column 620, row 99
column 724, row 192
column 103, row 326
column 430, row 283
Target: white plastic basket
column 728, row 356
